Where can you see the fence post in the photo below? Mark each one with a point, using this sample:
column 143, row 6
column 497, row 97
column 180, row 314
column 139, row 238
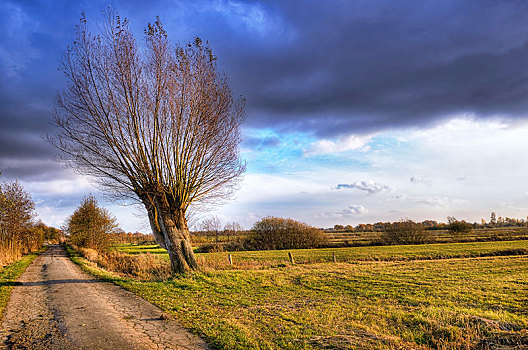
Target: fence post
column 290, row 255
column 334, row 257
column 230, row 258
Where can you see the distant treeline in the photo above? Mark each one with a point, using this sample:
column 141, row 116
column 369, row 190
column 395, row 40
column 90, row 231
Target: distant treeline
column 19, row 233
column 494, row 222
column 133, row 237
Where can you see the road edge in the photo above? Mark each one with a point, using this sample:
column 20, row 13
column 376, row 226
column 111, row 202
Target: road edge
column 17, row 268
column 108, row 276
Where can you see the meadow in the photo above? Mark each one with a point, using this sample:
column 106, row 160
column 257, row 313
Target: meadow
column 435, row 296
column 274, row 258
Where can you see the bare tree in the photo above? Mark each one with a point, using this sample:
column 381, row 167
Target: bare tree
column 212, row 226
column 17, row 213
column 232, row 229
column 158, row 125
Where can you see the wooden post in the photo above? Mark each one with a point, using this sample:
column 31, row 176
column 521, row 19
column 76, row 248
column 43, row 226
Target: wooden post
column 230, row 257
column 290, row 255
column 334, row 257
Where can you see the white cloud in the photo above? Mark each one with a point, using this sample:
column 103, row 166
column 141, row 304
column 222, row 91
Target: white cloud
column 472, row 168
column 355, row 209
column 463, row 178
column 440, row 202
column 62, row 187
column 417, row 179
column 350, row 143
column 368, row 186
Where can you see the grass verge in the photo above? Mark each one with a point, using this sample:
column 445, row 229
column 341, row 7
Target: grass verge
column 9, row 275
column 467, row 303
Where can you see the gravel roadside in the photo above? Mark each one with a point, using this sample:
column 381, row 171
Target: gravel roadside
column 57, row 306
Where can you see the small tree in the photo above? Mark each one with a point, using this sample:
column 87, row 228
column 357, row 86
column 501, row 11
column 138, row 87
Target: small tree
column 404, row 232
column 17, row 211
column 280, row 233
column 232, row 229
column 458, row 226
column 493, row 219
column 91, row 226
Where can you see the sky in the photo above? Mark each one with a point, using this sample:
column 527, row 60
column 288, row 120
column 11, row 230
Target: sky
column 357, row 111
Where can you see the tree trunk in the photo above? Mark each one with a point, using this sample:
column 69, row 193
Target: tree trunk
column 158, row 236
column 172, row 227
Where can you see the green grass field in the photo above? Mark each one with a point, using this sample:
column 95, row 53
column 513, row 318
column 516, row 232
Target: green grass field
column 458, row 303
column 8, row 276
column 270, row 258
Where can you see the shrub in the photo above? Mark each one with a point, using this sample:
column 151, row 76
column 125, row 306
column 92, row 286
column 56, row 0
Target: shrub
column 457, row 226
column 91, row 226
column 210, row 248
column 236, row 244
column 280, row 233
column 404, row 232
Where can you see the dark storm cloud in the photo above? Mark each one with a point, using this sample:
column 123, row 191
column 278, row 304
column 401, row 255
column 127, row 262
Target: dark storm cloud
column 371, row 65
column 331, row 68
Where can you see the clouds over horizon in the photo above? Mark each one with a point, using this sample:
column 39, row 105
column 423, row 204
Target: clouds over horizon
column 417, row 98
column 366, row 185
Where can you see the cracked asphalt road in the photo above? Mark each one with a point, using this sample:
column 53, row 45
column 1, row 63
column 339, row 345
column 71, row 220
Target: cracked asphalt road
column 57, row 306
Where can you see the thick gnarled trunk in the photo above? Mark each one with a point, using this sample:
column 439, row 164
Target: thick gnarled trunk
column 171, row 232
column 158, row 235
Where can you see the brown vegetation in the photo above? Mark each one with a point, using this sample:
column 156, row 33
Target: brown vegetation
column 18, row 234
column 458, row 226
column 144, row 266
column 404, row 232
column 133, row 237
column 51, row 234
column 91, row 226
column 279, row 233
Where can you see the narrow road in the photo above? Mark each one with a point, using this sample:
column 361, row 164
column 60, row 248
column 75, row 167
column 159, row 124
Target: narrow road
column 57, row 306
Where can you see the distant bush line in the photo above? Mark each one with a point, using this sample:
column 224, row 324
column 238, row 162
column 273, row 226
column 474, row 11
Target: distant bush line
column 359, row 239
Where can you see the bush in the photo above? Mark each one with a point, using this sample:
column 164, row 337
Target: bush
column 457, row 226
column 91, row 226
column 280, row 233
column 404, row 232
column 236, row 244
column 210, row 248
